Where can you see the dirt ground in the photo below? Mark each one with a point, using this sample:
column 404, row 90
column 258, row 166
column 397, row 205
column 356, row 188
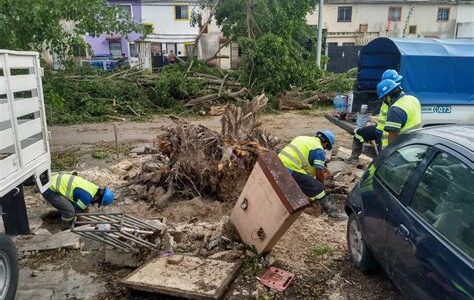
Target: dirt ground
column 314, row 248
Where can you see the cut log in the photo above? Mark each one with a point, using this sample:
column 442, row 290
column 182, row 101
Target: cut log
column 217, row 81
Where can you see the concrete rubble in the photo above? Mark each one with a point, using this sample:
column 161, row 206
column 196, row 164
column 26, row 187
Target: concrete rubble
column 34, row 243
column 122, row 258
column 184, row 276
column 48, row 283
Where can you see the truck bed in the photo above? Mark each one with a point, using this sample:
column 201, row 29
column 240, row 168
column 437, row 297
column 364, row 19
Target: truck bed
column 24, row 148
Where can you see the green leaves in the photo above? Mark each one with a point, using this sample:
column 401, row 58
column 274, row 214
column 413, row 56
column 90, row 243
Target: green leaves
column 271, row 63
column 173, row 85
column 58, row 25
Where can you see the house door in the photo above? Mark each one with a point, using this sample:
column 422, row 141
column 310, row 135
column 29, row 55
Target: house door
column 156, row 55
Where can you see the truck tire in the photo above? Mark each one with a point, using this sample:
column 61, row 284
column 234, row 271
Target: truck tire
column 358, row 250
column 8, row 268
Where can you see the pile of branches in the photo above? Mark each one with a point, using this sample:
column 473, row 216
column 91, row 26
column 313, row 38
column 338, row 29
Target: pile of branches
column 294, row 100
column 216, row 90
column 193, row 160
column 322, row 90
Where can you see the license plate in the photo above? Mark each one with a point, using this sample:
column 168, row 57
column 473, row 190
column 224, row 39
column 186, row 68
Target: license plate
column 436, row 109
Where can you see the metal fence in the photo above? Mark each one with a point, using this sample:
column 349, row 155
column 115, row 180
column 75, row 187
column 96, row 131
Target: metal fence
column 342, row 58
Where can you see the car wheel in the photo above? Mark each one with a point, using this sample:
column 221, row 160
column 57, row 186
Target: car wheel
column 360, row 254
column 8, row 268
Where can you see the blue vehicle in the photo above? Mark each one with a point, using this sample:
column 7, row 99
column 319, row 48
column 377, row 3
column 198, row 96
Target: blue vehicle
column 105, row 62
column 412, row 213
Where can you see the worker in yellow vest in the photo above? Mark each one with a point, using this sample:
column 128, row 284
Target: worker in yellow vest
column 404, row 112
column 373, row 132
column 69, row 194
column 304, row 158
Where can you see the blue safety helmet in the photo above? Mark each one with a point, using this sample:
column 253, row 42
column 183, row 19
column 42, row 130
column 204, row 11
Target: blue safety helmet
column 392, row 75
column 108, row 197
column 385, row 87
column 328, row 136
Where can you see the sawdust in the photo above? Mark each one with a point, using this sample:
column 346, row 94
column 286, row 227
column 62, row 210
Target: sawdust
column 307, row 232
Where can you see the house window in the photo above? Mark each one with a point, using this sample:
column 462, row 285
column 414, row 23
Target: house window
column 126, row 11
column 79, row 51
column 394, row 14
column 443, row 14
column 412, row 29
column 363, row 28
column 115, row 49
column 344, row 13
column 181, row 12
column 348, row 44
column 133, row 50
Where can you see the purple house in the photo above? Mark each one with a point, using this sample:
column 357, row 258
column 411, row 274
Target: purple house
column 116, row 44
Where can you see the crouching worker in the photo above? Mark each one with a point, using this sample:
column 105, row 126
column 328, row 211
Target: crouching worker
column 304, row 157
column 70, row 194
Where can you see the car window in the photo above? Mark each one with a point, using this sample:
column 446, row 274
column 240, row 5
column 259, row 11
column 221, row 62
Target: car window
column 445, row 199
column 396, row 170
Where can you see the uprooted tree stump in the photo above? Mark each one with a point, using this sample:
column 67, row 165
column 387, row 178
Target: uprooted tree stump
column 193, row 160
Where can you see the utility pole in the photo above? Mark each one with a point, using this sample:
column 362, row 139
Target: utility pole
column 320, row 33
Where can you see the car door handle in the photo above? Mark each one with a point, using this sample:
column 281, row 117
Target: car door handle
column 403, row 231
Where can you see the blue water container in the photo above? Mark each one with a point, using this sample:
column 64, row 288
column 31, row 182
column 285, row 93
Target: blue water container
column 362, row 120
column 340, row 104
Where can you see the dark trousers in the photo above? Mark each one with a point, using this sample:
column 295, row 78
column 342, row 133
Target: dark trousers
column 310, row 186
column 367, row 134
column 62, row 204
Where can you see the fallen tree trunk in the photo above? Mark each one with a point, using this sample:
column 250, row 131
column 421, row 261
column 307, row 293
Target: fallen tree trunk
column 212, row 97
column 218, row 81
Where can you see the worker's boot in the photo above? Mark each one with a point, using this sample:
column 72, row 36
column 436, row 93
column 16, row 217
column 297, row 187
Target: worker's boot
column 330, row 207
column 356, row 152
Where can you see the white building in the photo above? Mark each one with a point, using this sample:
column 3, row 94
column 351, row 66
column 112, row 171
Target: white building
column 174, row 30
column 465, row 20
column 356, row 22
column 172, row 27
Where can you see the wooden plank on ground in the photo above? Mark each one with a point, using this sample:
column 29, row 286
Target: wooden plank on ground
column 192, row 277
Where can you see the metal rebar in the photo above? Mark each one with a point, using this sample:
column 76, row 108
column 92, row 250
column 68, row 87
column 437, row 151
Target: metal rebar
column 133, row 230
column 104, row 241
column 109, row 237
column 98, row 214
column 136, row 239
column 141, row 222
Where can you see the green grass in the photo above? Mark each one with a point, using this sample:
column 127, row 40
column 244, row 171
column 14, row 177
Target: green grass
column 109, row 151
column 320, row 250
column 252, row 265
column 64, row 160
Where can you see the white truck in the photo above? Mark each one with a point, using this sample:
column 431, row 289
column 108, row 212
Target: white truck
column 24, row 152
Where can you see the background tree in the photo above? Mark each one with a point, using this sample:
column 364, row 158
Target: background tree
column 58, row 25
column 273, row 38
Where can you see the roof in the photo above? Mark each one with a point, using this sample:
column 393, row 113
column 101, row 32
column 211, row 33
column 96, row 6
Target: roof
column 169, row 38
column 435, row 71
column 461, row 134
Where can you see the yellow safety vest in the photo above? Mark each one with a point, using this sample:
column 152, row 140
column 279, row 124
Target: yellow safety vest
column 295, row 155
column 65, row 184
column 382, row 118
column 411, row 106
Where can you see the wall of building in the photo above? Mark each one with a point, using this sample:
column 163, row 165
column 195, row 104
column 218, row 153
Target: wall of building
column 465, row 21
column 100, row 45
column 162, row 16
column 424, row 16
